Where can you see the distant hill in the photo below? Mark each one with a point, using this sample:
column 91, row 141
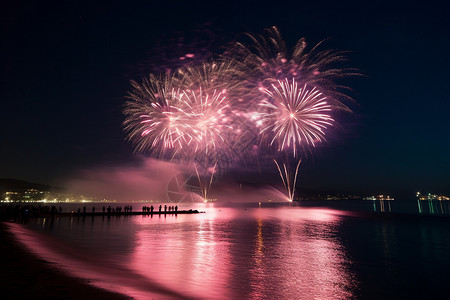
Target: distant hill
column 15, row 185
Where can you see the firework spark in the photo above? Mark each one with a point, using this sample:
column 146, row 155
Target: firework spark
column 265, row 59
column 211, row 108
column 294, row 116
column 191, row 115
column 154, row 121
column 207, row 123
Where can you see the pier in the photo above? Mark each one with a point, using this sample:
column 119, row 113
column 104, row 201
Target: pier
column 132, row 213
column 22, row 212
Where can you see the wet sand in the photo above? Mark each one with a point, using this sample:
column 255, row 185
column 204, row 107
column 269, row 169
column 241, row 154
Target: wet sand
column 24, row 276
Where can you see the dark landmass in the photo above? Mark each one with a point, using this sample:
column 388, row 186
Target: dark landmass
column 24, row 276
column 15, row 185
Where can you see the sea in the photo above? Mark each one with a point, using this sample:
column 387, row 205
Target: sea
column 308, row 250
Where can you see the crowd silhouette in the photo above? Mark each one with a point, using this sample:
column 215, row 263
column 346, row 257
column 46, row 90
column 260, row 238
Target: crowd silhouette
column 19, row 212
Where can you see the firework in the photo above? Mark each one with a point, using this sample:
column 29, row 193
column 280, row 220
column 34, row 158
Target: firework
column 295, row 93
column 292, row 116
column 192, row 115
column 265, row 59
column 207, row 124
column 259, row 94
column 212, row 111
column 154, row 121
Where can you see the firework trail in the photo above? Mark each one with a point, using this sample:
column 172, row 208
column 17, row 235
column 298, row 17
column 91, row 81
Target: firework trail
column 286, row 176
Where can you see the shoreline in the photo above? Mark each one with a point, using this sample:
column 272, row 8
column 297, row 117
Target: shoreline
column 25, row 276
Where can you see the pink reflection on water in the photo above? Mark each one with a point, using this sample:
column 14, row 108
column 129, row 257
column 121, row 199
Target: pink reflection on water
column 226, row 253
column 99, row 271
column 204, row 255
column 303, row 261
column 189, row 256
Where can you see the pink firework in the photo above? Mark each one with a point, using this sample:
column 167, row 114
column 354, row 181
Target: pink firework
column 154, row 120
column 211, row 110
column 265, row 59
column 191, row 114
column 207, row 121
column 293, row 116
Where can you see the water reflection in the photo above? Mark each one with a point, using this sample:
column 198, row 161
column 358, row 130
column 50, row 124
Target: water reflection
column 252, row 253
column 255, row 253
column 226, row 253
column 433, row 207
column 101, row 271
column 381, row 205
column 304, row 259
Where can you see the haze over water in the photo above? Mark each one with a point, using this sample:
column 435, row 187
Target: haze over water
column 249, row 253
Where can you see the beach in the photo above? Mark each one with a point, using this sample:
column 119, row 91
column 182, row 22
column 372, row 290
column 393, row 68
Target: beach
column 24, row 276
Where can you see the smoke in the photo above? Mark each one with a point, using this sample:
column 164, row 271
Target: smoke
column 144, row 181
column 153, row 180
column 245, row 193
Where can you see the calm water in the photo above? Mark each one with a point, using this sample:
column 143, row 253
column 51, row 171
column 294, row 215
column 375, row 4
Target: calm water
column 252, row 253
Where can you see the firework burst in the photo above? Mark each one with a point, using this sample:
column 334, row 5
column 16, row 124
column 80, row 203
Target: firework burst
column 265, row 59
column 294, row 116
column 295, row 92
column 191, row 115
column 207, row 123
column 154, row 121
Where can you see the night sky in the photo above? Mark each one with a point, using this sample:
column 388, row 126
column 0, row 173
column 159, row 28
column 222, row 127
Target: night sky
column 66, row 68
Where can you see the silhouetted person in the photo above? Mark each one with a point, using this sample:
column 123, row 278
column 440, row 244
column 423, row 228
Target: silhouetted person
column 93, row 209
column 151, row 209
column 160, row 209
column 165, row 208
column 176, row 208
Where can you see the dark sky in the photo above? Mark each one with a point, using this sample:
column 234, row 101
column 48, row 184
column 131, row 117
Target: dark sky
column 66, row 67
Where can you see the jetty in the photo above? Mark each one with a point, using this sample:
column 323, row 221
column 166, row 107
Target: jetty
column 21, row 212
column 128, row 213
